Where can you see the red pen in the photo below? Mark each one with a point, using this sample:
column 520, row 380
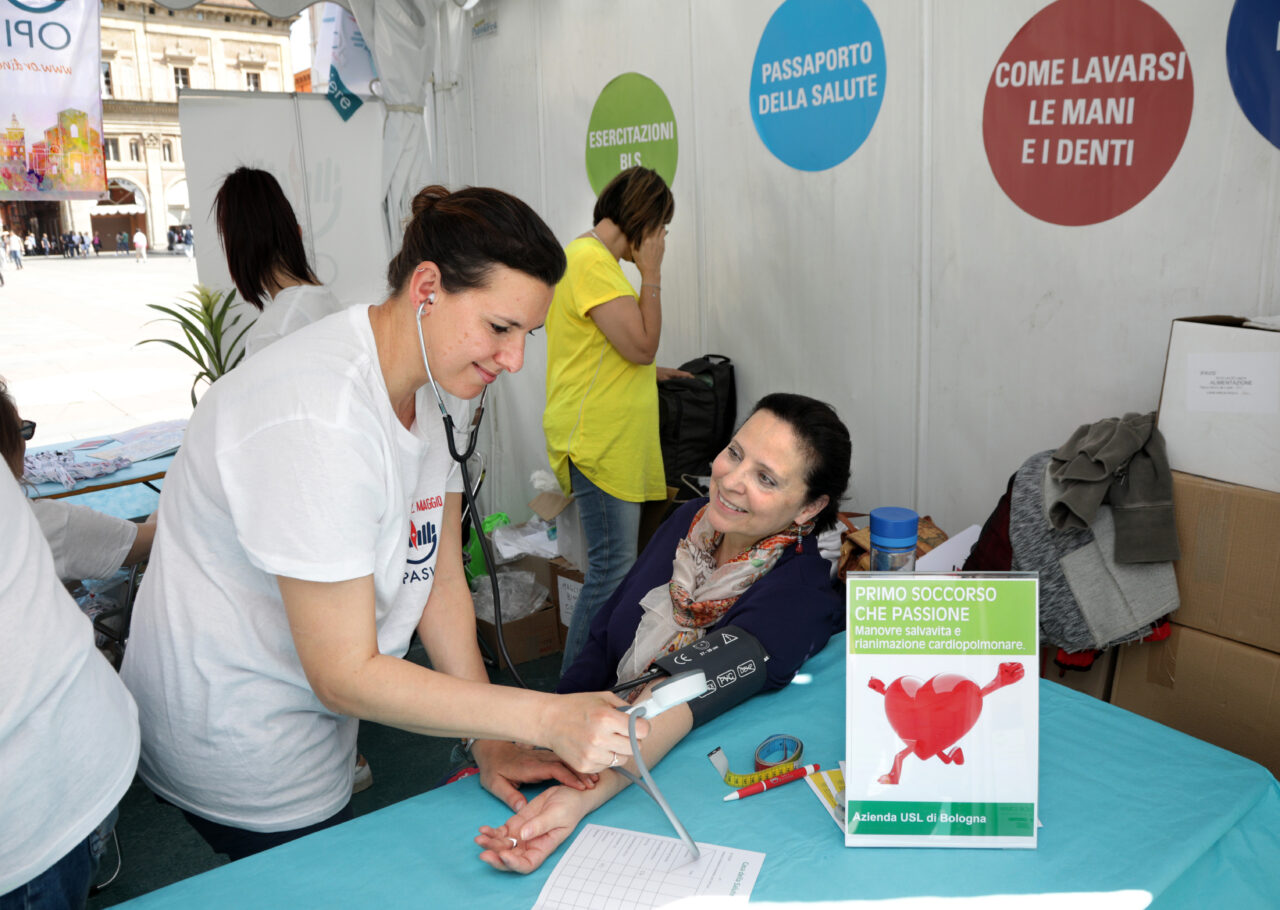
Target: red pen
column 762, row 785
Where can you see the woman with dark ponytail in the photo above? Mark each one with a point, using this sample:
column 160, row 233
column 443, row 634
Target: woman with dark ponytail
column 310, row 526
column 262, row 241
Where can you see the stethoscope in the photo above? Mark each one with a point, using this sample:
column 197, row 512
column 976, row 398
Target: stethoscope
column 462, row 458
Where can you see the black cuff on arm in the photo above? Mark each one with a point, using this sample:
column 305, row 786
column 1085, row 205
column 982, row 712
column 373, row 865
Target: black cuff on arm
column 733, row 661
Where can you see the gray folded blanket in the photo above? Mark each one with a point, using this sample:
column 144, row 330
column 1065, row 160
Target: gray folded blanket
column 1120, row 461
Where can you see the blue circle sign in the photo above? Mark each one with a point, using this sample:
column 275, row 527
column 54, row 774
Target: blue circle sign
column 817, row 81
column 1253, row 63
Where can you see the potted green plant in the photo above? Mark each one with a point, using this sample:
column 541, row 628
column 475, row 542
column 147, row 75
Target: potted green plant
column 203, row 320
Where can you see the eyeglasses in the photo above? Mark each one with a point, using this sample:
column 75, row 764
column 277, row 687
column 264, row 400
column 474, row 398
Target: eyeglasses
column 28, row 429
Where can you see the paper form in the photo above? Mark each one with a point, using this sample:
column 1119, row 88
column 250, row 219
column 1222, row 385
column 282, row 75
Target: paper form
column 150, row 441
column 615, row 869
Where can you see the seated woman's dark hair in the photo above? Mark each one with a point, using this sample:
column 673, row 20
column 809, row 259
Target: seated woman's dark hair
column 467, row 232
column 638, row 201
column 11, row 443
column 260, row 233
column 827, row 446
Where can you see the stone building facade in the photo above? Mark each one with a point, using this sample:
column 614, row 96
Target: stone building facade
column 149, row 55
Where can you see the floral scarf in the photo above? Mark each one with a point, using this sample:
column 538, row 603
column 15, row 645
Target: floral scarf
column 678, row 613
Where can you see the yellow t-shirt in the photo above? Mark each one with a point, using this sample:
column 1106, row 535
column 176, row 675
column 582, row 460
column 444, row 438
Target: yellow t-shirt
column 602, row 409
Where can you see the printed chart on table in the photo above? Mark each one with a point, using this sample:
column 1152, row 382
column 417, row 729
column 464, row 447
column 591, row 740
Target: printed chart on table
column 625, row 870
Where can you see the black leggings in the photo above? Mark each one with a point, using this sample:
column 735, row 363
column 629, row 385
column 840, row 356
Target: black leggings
column 238, row 843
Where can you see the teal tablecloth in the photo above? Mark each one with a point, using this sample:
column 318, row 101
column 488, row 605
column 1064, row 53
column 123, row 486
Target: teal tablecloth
column 1126, row 804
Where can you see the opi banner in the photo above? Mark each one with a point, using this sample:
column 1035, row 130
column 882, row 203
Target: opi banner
column 51, row 112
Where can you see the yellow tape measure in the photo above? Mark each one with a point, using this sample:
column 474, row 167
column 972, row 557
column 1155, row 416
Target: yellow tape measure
column 778, row 754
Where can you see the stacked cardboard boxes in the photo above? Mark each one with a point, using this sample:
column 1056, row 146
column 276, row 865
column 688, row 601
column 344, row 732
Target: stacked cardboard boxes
column 534, row 636
column 1217, row 676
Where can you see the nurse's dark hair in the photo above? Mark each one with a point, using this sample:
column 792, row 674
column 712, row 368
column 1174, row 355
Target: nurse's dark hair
column 11, row 444
column 260, row 233
column 468, row 232
column 638, row 201
column 827, row 448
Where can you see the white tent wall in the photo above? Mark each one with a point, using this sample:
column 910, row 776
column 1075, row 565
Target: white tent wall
column 955, row 333
column 773, row 267
column 1032, row 328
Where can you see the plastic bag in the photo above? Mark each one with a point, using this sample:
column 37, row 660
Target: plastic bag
column 521, row 595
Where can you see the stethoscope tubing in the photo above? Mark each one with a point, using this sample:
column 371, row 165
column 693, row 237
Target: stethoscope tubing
column 473, row 436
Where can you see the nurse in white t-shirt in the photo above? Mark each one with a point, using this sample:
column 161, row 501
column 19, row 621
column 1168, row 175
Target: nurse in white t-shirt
column 310, row 524
column 268, row 263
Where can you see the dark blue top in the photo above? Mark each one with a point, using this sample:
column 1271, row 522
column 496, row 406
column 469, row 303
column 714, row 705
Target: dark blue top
column 793, row 609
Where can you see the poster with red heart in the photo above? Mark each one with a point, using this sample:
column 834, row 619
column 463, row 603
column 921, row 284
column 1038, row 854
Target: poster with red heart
column 942, row 710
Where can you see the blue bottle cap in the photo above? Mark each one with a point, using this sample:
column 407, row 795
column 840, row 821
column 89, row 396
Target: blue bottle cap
column 892, row 526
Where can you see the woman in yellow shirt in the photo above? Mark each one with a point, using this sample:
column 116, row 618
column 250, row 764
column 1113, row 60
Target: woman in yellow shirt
column 601, row 419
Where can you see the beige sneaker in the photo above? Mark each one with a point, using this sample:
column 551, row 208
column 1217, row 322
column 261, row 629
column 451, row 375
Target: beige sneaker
column 363, row 779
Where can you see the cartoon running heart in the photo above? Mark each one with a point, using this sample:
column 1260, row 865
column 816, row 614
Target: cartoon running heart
column 929, row 717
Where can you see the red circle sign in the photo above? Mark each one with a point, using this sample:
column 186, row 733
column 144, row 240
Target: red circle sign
column 1087, row 109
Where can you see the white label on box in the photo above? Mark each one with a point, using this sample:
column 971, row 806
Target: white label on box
column 1239, row 383
column 567, row 591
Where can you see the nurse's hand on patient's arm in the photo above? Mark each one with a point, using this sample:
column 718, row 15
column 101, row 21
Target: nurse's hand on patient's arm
column 505, row 766
column 586, row 730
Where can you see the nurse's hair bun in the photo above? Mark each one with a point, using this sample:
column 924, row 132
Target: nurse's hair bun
column 427, row 197
column 469, row 231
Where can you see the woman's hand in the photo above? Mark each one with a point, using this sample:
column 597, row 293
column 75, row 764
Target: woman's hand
column 537, row 829
column 505, row 766
column 648, row 256
column 587, row 731
column 665, row 373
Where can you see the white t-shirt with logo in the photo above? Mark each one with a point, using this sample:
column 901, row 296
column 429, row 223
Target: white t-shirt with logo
column 68, row 728
column 293, row 464
column 289, row 311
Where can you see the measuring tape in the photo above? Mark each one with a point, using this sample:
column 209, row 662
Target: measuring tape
column 778, row 754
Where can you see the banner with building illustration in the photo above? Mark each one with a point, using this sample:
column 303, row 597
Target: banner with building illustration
column 50, row 101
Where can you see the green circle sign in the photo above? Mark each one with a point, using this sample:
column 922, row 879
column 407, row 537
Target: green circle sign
column 631, row 125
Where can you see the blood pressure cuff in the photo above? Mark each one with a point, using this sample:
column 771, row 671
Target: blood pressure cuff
column 732, row 660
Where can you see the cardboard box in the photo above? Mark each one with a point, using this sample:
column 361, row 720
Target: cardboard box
column 1229, row 573
column 1095, row 682
column 537, row 635
column 566, row 585
column 533, row 636
column 1218, row 690
column 1220, row 402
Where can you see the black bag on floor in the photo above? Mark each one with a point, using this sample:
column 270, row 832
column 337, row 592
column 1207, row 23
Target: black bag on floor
column 696, row 416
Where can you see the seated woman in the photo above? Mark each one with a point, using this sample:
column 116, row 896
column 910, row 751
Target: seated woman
column 85, row 543
column 746, row 556
column 262, row 241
